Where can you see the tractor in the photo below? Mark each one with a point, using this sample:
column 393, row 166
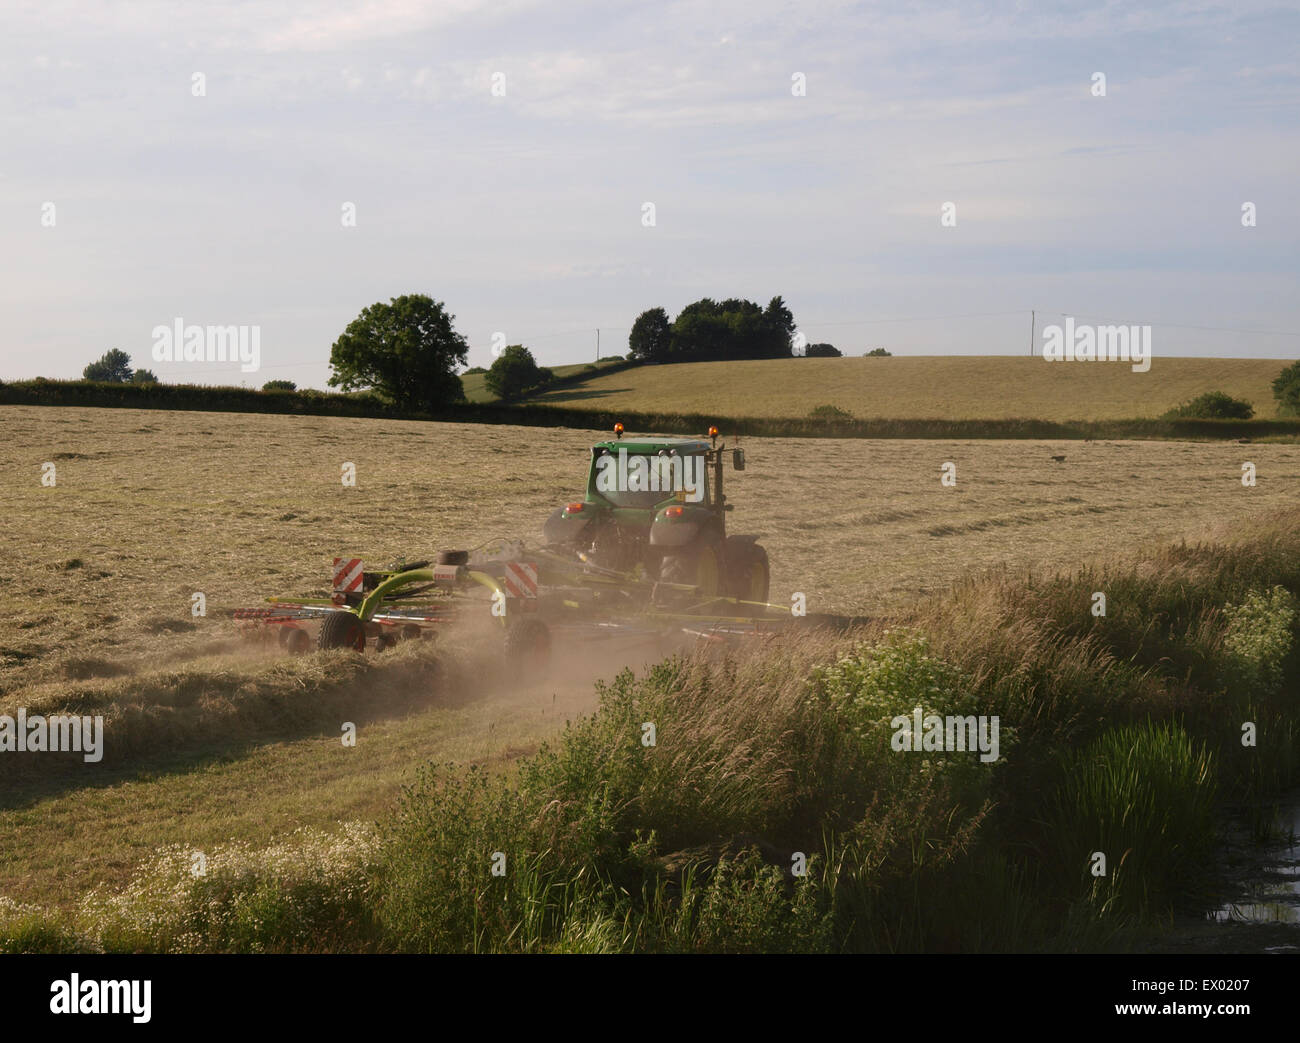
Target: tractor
column 645, row 554
column 655, row 508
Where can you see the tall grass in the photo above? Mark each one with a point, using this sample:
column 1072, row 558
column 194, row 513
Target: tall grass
column 1132, row 823
column 309, row 892
column 772, row 813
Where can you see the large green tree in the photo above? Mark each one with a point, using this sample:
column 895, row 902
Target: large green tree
column 651, row 338
column 407, row 350
column 1286, row 389
column 515, row 373
column 113, row 367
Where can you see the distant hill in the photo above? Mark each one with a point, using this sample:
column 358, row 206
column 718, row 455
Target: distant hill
column 924, row 387
column 476, row 390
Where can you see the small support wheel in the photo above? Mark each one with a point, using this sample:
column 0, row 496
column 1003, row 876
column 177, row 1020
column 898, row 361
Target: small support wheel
column 342, row 630
column 528, row 646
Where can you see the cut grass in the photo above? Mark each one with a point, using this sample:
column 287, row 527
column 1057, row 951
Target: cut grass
column 60, row 840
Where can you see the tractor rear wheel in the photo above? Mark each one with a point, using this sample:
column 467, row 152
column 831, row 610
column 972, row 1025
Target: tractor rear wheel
column 698, row 566
column 748, row 573
column 342, row 630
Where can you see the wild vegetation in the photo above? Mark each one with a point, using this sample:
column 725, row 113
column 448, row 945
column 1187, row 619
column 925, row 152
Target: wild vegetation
column 771, row 812
column 781, row 750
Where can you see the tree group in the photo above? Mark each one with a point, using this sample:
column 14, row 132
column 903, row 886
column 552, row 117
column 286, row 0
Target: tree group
column 710, row 331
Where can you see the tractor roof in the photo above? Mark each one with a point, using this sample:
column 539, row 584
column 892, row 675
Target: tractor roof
column 644, row 444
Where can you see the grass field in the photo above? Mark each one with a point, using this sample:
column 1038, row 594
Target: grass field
column 150, row 507
column 948, row 387
column 476, row 390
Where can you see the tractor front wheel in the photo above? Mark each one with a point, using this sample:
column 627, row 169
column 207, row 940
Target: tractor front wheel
column 342, row 630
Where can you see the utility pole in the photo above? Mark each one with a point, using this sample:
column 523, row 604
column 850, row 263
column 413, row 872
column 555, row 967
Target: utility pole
column 597, row 343
column 1032, row 317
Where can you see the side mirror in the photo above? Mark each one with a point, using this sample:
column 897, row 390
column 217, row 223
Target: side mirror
column 738, row 459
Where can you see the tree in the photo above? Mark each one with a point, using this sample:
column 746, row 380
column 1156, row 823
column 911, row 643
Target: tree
column 823, row 351
column 515, row 373
column 877, row 353
column 733, row 329
column 143, row 376
column 1213, row 405
column 1286, row 389
column 778, row 323
column 407, row 350
column 114, row 367
column 279, row 385
column 651, row 337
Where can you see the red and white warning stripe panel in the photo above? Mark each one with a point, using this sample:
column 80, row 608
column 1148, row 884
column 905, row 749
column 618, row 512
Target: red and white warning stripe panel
column 521, row 579
column 348, row 575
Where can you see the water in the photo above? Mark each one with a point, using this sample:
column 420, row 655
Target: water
column 1264, row 880
column 1256, row 907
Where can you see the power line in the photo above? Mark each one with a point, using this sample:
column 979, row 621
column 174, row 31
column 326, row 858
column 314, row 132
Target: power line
column 915, row 318
column 1185, row 326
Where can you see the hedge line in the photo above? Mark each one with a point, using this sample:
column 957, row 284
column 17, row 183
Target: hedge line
column 42, row 392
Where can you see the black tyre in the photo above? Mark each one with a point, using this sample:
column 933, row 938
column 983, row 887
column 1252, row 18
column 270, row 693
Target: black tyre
column 342, row 630
column 528, row 646
column 698, row 566
column 749, row 577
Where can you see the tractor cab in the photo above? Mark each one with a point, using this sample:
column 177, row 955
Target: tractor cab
column 656, row 507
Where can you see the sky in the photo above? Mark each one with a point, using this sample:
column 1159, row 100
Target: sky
column 163, row 160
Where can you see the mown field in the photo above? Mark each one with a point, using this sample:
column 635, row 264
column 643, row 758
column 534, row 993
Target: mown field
column 917, row 387
column 217, row 744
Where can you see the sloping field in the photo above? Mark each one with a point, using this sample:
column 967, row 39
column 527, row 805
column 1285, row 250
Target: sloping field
column 151, row 507
column 948, row 387
column 476, row 390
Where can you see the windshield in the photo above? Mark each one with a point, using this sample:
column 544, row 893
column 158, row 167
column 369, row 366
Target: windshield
column 644, row 480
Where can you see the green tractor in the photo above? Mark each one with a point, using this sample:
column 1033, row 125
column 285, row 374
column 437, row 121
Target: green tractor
column 654, row 508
